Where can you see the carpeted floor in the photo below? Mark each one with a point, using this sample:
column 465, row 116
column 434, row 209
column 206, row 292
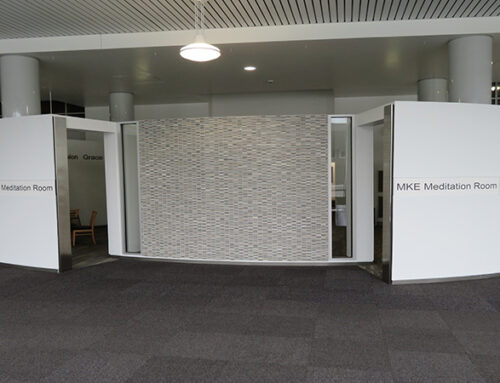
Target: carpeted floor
column 132, row 321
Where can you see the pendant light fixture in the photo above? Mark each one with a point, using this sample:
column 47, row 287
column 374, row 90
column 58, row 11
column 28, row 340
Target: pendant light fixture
column 199, row 50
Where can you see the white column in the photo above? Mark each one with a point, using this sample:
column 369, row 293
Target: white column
column 20, row 84
column 121, row 106
column 433, row 89
column 470, row 69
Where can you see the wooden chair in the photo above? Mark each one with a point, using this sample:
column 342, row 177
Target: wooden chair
column 85, row 230
column 74, row 216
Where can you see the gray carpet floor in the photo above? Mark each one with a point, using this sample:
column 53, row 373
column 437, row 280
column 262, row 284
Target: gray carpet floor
column 132, row 321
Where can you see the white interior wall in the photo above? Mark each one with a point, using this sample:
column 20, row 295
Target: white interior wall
column 354, row 105
column 154, row 111
column 195, row 109
column 87, row 181
column 303, row 102
column 442, row 234
column 28, row 219
column 97, row 112
column 276, row 103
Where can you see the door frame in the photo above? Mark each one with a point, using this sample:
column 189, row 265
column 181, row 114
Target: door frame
column 114, row 183
column 349, row 193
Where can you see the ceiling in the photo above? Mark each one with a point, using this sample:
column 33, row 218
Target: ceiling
column 351, row 67
column 47, row 18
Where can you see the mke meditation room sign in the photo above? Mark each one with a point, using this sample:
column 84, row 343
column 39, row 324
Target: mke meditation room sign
column 447, row 185
column 26, row 187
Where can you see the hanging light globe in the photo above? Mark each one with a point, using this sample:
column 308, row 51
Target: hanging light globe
column 200, row 51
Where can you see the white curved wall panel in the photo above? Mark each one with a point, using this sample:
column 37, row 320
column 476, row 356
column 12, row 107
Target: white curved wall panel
column 441, row 230
column 28, row 218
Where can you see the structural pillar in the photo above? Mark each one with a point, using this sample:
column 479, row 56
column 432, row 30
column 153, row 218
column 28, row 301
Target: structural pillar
column 20, row 86
column 121, row 106
column 470, row 69
column 433, row 89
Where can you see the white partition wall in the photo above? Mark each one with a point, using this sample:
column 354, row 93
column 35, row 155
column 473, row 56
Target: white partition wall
column 446, row 199
column 28, row 211
column 34, row 195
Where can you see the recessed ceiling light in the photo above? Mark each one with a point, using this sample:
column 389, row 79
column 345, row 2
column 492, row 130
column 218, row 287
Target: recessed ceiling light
column 250, row 68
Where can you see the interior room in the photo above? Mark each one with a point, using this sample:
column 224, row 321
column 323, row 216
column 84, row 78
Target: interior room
column 87, row 196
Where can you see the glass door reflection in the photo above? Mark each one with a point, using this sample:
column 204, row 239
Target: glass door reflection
column 340, row 185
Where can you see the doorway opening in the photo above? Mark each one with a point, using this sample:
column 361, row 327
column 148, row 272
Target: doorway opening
column 87, row 198
column 340, row 175
column 378, row 195
column 371, row 190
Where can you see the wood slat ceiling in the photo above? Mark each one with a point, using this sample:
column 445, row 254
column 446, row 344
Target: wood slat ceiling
column 43, row 18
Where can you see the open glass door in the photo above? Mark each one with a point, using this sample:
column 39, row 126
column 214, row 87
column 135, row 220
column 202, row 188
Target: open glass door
column 340, row 155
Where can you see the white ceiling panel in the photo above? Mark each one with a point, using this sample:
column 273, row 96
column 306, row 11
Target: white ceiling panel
column 44, row 18
column 359, row 67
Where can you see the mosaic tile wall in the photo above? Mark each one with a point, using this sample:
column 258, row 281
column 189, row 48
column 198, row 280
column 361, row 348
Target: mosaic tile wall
column 235, row 188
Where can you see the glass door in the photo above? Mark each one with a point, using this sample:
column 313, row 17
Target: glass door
column 340, row 155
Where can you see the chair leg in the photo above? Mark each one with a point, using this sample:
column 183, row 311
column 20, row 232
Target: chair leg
column 93, row 238
column 74, row 239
